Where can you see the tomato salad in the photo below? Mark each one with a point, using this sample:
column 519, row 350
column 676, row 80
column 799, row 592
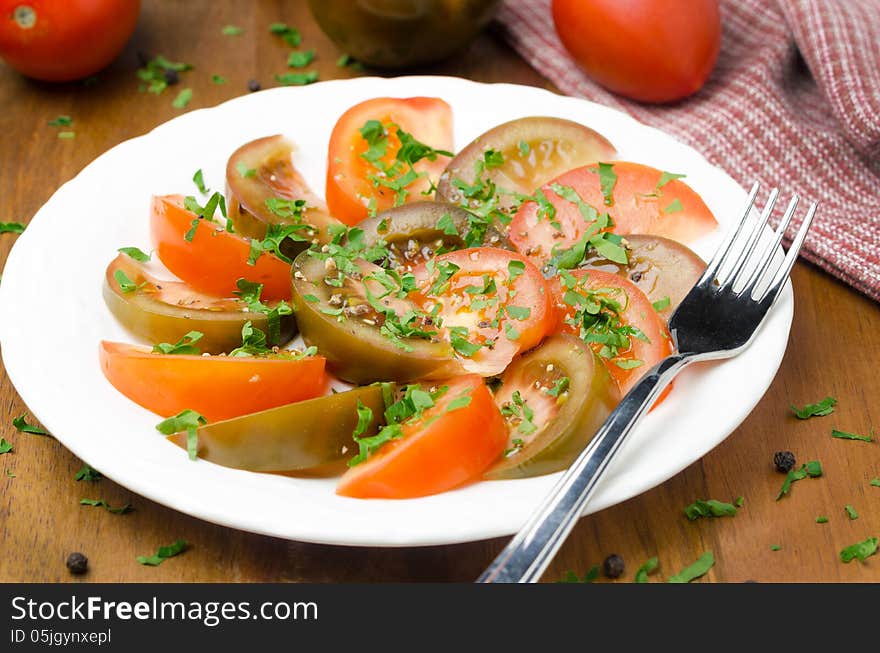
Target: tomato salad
column 483, row 312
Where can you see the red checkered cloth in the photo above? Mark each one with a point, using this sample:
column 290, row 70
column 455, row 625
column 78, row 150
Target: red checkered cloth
column 793, row 102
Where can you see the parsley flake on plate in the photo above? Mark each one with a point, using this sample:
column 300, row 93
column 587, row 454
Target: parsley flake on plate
column 186, row 420
column 184, row 346
column 662, row 304
column 20, row 424
column 820, row 409
column 199, row 181
column 699, row 568
column 126, row 285
column 666, row 177
column 674, row 207
column 164, row 553
column 134, row 253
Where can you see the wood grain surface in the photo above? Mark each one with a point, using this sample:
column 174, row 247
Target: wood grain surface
column 834, row 349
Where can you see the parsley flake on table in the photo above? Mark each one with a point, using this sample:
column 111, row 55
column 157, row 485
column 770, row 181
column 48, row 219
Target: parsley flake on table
column 183, row 98
column 290, row 35
column 699, row 568
column 590, row 577
column 843, row 435
column 5, row 447
column 20, row 424
column 649, row 567
column 813, row 469
column 100, row 503
column 820, row 409
column 218, row 79
column 775, row 547
column 184, row 346
column 11, row 227
column 297, row 79
column 851, row 512
column 739, row 502
column 186, row 420
column 300, row 58
column 164, row 553
column 156, row 73
column 66, row 135
column 134, row 253
column 709, row 508
column 821, row 519
column 875, row 482
column 9, row 474
column 232, row 30
column 61, row 121
column 860, row 551
column 88, row 473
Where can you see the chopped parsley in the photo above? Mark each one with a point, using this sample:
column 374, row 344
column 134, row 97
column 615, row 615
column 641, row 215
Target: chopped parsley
column 184, row 346
column 813, row 469
column 253, row 343
column 519, row 414
column 290, row 35
column 860, row 551
column 232, row 30
column 674, row 207
column 66, row 135
column 446, row 225
column 662, row 304
column 186, row 420
column 559, row 387
column 775, row 547
column 183, row 98
column 244, row 171
column 607, row 180
column 820, row 409
column 153, row 75
column 126, row 285
column 100, row 503
column 699, row 568
column 276, row 234
column 164, row 553
column 739, row 502
column 514, row 269
column 5, row 447
column 523, row 148
column 21, row 425
column 589, row 577
column 61, row 121
column 250, row 293
column 300, row 58
column 87, row 473
column 709, row 508
column 843, row 435
column 297, row 79
column 851, row 512
column 11, row 227
column 875, row 482
column 199, row 181
column 821, row 519
column 518, row 312
column 607, row 244
column 666, row 177
column 649, row 567
column 218, row 79
column 134, row 253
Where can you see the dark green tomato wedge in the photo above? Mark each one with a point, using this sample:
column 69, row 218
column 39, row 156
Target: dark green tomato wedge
column 554, row 399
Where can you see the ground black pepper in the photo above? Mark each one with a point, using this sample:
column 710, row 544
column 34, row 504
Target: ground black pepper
column 784, row 461
column 77, row 563
column 613, row 566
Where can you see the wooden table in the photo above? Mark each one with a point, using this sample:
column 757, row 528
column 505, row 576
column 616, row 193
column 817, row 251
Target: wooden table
column 833, row 350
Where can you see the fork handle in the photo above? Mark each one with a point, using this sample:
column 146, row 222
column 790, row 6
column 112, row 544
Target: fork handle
column 529, row 553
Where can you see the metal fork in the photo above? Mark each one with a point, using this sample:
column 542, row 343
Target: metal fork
column 717, row 319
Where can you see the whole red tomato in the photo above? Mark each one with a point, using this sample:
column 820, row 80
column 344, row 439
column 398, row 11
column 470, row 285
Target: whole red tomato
column 648, row 50
column 61, row 40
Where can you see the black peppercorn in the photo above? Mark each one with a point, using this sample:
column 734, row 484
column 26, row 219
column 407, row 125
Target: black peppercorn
column 171, row 77
column 254, row 85
column 784, row 461
column 77, row 563
column 613, row 566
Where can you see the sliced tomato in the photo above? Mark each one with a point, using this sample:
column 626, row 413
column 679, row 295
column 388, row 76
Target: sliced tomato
column 639, row 204
column 218, row 387
column 213, row 259
column 349, row 189
column 493, row 304
column 451, row 443
column 644, row 347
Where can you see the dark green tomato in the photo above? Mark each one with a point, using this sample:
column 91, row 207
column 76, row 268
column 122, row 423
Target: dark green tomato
column 401, row 33
column 299, row 436
column 164, row 311
column 418, row 231
column 340, row 322
column 660, row 267
column 554, row 399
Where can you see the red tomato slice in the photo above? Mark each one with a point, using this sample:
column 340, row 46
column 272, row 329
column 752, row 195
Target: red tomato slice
column 635, row 311
column 493, row 304
column 444, row 448
column 214, row 259
column 349, row 190
column 218, row 387
column 637, row 206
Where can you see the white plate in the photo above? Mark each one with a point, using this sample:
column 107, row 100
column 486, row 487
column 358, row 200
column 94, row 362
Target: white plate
column 52, row 317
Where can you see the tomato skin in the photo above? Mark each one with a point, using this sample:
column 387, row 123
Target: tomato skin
column 214, row 259
column 434, row 455
column 647, row 50
column 530, row 290
column 638, row 313
column 68, row 40
column 348, row 190
column 634, row 210
column 218, row 387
